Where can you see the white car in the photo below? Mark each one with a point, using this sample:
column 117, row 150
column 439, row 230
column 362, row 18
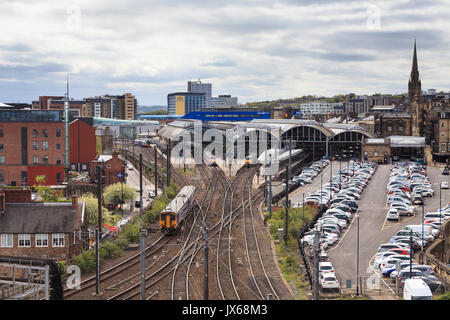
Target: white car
column 444, row 185
column 393, row 214
column 326, row 268
column 329, row 281
column 381, row 256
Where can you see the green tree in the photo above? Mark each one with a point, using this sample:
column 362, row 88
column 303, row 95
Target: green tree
column 92, row 209
column 129, row 193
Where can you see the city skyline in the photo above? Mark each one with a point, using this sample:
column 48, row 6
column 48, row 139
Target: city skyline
column 256, row 51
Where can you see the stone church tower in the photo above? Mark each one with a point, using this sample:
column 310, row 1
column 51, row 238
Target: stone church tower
column 415, row 108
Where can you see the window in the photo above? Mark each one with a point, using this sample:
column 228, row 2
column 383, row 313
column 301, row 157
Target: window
column 400, row 128
column 35, row 145
column 58, row 177
column 24, row 240
column 375, row 153
column 448, row 147
column 58, row 133
column 2, row 176
column 442, row 147
column 442, row 134
column 45, row 160
column 58, row 146
column 35, row 160
column 41, row 240
column 1, row 148
column 44, row 145
column 2, row 159
column 58, row 239
column 442, row 124
column 45, row 133
column 35, row 133
column 1, row 133
column 58, row 161
column 6, row 240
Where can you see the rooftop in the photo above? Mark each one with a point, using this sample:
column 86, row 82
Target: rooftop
column 39, row 218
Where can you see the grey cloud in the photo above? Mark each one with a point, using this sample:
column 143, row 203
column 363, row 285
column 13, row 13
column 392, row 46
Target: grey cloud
column 26, row 73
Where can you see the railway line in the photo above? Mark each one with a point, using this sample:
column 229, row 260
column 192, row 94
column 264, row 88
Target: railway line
column 226, row 207
column 261, row 281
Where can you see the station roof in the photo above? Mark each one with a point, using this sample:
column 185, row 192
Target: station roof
column 276, row 153
column 406, row 142
column 119, row 122
column 375, row 141
column 2, row 105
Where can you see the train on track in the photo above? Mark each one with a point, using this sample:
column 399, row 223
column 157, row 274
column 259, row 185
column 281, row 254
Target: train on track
column 177, row 210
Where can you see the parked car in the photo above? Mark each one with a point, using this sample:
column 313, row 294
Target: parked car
column 444, row 185
column 326, row 268
column 329, row 281
column 393, row 214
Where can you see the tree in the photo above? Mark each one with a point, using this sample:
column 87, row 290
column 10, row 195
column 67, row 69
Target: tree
column 45, row 191
column 129, row 193
column 92, row 209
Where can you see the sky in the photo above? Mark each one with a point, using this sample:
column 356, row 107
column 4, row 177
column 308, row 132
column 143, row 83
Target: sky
column 253, row 49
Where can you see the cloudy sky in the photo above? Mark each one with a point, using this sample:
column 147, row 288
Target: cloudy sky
column 253, row 49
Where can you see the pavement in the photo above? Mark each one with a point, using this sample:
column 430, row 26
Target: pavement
column 373, row 227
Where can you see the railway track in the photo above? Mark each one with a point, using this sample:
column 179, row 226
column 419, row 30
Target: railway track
column 261, row 281
column 178, row 258
column 168, row 268
column 224, row 271
column 204, row 214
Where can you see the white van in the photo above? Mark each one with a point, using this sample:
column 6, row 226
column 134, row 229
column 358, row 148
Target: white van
column 427, row 229
column 416, row 289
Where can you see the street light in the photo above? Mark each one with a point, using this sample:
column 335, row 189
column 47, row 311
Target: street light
column 357, row 257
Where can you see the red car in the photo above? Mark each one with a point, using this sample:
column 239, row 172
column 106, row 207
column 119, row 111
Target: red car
column 401, row 251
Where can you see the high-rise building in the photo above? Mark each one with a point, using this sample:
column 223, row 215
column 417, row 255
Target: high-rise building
column 223, row 101
column 111, row 106
column 199, row 87
column 181, row 103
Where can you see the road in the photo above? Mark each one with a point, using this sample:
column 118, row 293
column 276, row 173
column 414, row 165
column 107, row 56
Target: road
column 373, row 227
column 133, row 181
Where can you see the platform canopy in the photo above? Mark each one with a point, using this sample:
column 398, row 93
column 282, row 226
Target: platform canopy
column 406, row 142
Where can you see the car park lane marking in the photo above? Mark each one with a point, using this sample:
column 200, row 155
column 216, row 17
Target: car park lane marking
column 377, row 274
column 343, row 236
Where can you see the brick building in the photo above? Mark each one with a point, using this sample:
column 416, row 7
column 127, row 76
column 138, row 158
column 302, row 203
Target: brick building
column 393, row 124
column 378, row 150
column 31, row 143
column 40, row 230
column 82, row 142
column 113, row 164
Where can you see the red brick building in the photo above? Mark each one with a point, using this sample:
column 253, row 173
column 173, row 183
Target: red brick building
column 82, row 144
column 31, row 143
column 40, row 230
column 113, row 164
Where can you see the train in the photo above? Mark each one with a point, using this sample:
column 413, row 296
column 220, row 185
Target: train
column 176, row 211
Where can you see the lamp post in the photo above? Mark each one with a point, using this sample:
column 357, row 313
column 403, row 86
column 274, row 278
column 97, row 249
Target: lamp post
column 357, row 257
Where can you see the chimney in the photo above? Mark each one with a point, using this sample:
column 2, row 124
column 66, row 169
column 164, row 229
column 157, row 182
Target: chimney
column 2, row 202
column 74, row 203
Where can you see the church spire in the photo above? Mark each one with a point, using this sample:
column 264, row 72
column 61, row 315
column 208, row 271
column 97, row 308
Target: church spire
column 414, row 85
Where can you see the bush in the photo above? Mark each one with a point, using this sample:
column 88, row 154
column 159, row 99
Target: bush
column 85, row 261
